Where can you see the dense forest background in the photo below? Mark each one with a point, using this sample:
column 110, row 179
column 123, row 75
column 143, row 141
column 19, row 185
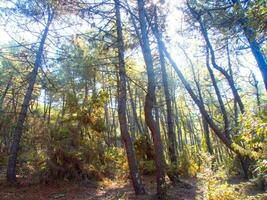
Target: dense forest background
column 95, row 91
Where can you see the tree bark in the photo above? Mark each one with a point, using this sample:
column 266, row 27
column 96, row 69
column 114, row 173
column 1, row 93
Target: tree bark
column 11, row 170
column 4, row 94
column 135, row 176
column 150, row 103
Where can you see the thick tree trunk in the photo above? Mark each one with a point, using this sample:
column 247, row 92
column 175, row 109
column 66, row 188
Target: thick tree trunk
column 150, row 104
column 11, row 170
column 135, row 176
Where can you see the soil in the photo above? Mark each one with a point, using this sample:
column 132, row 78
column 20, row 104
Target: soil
column 105, row 190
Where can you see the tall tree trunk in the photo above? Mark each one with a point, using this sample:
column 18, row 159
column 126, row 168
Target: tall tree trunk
column 135, row 176
column 11, row 170
column 219, row 96
column 204, row 122
column 207, row 135
column 189, row 89
column 220, row 134
column 133, row 105
column 172, row 146
column 150, row 103
column 229, row 78
column 178, row 127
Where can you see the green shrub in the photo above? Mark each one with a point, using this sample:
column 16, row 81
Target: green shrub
column 192, row 160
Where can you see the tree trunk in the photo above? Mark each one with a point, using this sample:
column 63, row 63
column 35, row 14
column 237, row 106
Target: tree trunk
column 229, row 78
column 218, row 132
column 178, row 127
column 4, row 94
column 207, row 136
column 250, row 35
column 189, row 89
column 150, row 103
column 172, row 146
column 11, row 170
column 219, row 96
column 135, row 176
column 133, row 105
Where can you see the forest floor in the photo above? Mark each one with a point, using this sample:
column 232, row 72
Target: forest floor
column 104, row 190
column 114, row 190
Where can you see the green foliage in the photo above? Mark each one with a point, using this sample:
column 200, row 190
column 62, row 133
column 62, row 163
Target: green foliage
column 145, row 154
column 116, row 164
column 220, row 190
column 257, row 15
column 260, row 173
column 253, row 133
column 221, row 187
column 192, row 160
column 144, row 148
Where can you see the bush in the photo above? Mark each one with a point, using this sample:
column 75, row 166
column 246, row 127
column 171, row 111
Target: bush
column 260, row 173
column 65, row 165
column 219, row 189
column 115, row 163
column 192, row 160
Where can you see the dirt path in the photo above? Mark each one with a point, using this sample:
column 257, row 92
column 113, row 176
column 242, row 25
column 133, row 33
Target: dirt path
column 107, row 190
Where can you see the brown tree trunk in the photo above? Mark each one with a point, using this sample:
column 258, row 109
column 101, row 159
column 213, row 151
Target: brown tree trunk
column 135, row 176
column 2, row 98
column 150, row 104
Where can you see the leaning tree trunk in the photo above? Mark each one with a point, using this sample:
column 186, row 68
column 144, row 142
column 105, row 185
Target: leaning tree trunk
column 250, row 35
column 240, row 152
column 204, row 122
column 135, row 176
column 228, row 77
column 219, row 96
column 11, row 170
column 228, row 143
column 150, row 104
